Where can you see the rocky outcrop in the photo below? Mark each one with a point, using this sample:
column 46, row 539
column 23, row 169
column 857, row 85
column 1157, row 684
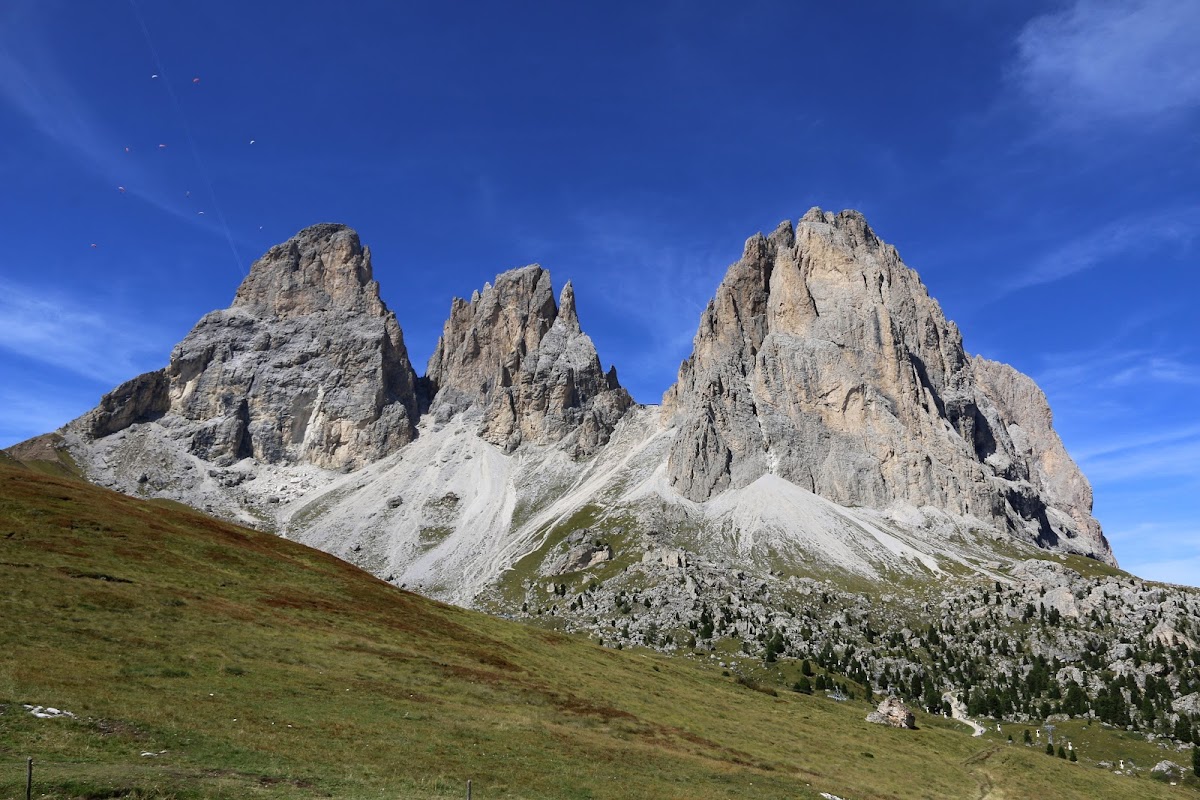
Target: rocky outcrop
column 306, row 366
column 1032, row 453
column 141, row 399
column 822, row 359
column 893, row 712
column 524, row 363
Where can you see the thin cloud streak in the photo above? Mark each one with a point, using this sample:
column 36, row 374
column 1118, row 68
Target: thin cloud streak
column 1112, row 447
column 1159, row 461
column 1109, row 367
column 1138, row 234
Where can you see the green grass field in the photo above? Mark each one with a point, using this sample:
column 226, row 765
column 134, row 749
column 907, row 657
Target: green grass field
column 251, row 666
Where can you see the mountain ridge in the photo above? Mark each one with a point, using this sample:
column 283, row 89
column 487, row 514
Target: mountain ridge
column 821, row 360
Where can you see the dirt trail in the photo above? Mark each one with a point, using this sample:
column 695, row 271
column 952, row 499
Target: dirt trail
column 959, row 712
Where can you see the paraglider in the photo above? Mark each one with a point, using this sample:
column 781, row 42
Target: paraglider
column 94, row 245
column 195, row 80
column 251, row 141
column 155, row 75
column 162, row 147
column 127, row 150
column 121, row 189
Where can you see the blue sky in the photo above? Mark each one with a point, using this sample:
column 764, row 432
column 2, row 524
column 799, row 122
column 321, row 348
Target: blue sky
column 1037, row 163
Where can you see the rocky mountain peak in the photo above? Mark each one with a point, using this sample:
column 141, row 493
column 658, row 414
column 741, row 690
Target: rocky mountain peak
column 322, row 268
column 306, row 366
column 823, row 360
column 524, row 364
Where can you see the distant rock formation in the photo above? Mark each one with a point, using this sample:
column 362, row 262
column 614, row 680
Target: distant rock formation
column 306, row 366
column 524, row 362
column 822, row 359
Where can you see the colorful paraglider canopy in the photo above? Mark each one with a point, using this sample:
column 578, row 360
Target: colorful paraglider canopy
column 162, row 147
column 94, row 245
column 121, row 189
column 195, row 80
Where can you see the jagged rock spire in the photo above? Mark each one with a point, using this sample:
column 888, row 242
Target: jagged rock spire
column 522, row 362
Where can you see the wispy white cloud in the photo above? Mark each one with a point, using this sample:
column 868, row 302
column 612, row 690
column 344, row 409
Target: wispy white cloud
column 1113, row 367
column 1103, row 60
column 56, row 330
column 1141, row 235
column 1137, row 398
column 1138, row 441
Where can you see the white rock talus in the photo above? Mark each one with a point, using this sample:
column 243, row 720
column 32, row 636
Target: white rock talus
column 823, row 360
column 306, row 366
column 522, row 361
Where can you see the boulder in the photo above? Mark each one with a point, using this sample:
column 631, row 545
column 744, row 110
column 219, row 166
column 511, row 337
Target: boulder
column 893, row 712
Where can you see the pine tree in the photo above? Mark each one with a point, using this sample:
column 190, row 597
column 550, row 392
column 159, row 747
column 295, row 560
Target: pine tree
column 1028, row 737
column 1074, row 758
column 1062, row 752
column 1049, row 749
column 1196, row 760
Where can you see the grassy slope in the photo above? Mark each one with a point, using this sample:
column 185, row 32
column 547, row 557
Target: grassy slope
column 264, row 668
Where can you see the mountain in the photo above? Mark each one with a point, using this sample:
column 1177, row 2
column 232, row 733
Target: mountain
column 828, row 412
column 832, row 477
column 188, row 657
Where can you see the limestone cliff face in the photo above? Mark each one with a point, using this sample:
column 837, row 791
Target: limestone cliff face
column 521, row 360
column 306, row 366
column 822, row 359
